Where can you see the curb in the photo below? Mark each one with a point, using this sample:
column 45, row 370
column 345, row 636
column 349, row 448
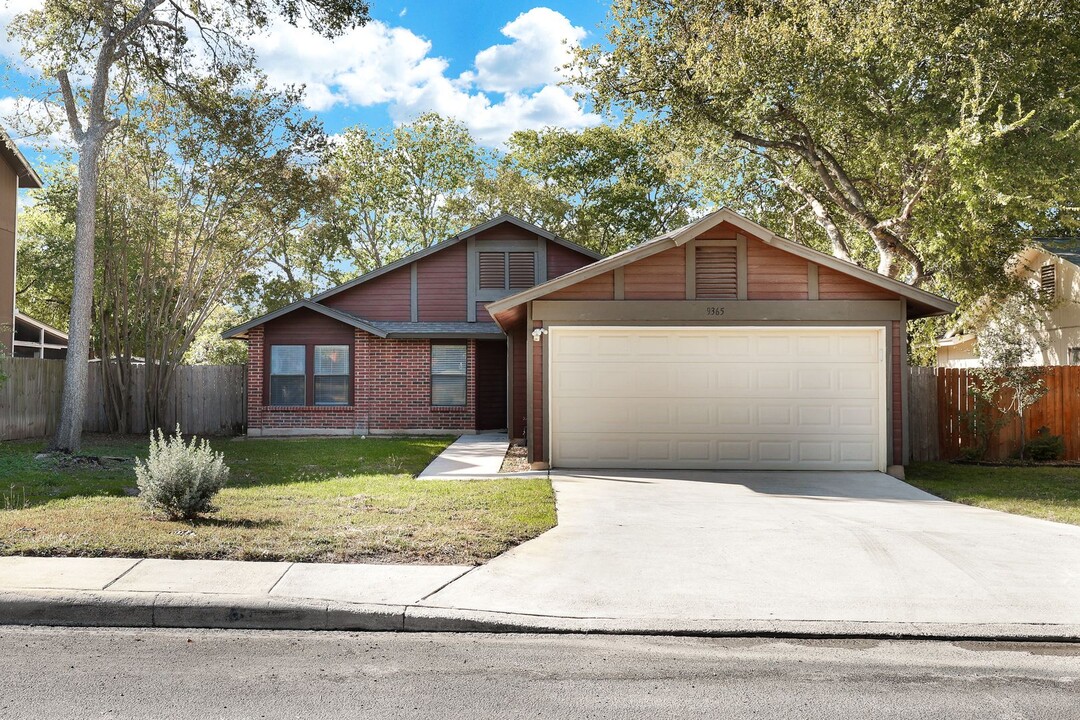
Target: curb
column 259, row 612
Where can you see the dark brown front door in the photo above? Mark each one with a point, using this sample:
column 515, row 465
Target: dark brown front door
column 490, row 384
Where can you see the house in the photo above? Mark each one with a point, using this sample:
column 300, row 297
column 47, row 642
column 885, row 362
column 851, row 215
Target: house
column 406, row 348
column 717, row 345
column 1051, row 266
column 20, row 334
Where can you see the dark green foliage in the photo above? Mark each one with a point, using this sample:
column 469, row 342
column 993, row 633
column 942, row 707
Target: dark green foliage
column 1045, row 447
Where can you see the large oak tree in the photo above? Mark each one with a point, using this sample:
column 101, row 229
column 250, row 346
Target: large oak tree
column 919, row 138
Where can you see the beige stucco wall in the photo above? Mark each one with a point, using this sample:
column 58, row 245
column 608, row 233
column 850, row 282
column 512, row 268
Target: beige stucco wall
column 961, row 355
column 9, row 193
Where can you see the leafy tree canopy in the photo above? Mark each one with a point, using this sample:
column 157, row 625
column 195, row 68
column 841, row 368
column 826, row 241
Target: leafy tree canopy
column 926, row 139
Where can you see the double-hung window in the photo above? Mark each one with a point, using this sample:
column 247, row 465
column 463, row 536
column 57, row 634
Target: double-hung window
column 331, row 374
column 288, row 375
column 448, row 375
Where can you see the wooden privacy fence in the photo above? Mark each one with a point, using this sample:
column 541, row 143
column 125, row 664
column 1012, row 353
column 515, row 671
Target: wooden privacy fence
column 938, row 399
column 205, row 399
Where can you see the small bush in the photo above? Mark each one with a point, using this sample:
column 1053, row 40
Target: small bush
column 1045, row 447
column 179, row 479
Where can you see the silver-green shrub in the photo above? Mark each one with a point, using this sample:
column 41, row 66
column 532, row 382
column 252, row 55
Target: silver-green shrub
column 178, row 479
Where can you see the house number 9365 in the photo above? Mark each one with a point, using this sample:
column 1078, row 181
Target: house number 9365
column 716, row 310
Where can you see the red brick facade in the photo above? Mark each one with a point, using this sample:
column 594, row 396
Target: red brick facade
column 391, row 392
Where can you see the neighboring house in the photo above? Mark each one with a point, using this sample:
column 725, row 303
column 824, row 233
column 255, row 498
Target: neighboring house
column 1052, row 267
column 717, row 345
column 20, row 334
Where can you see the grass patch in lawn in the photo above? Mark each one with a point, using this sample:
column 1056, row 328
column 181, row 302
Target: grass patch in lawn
column 312, row 500
column 1050, row 493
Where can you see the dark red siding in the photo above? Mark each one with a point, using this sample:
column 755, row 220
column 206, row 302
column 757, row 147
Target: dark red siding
column 441, row 285
column 657, row 277
column 601, row 287
column 561, row 260
column 520, row 344
column 833, row 285
column 773, row 274
column 383, row 298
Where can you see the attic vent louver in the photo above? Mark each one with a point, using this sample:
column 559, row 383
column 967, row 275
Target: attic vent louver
column 1048, row 281
column 716, row 269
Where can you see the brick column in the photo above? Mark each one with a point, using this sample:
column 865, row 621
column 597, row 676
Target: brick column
column 256, row 358
column 361, row 375
column 470, row 386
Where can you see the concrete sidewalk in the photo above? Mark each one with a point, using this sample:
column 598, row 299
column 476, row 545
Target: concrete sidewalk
column 213, row 593
column 119, row 592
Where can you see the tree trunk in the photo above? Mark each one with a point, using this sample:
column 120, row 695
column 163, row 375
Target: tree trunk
column 68, row 438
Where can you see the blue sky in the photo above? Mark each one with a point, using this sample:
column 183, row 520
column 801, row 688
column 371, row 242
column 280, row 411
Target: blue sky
column 493, row 65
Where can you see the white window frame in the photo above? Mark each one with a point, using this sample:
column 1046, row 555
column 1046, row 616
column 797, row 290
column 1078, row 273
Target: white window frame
column 463, row 373
column 316, row 375
column 302, row 375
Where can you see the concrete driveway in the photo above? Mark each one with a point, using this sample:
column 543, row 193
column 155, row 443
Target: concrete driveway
column 778, row 546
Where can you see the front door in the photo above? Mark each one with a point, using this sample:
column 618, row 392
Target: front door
column 491, row 385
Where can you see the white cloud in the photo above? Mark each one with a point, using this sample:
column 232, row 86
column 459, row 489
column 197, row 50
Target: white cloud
column 512, row 86
column 543, row 42
column 9, row 48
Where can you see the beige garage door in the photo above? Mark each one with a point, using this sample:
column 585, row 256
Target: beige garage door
column 726, row 398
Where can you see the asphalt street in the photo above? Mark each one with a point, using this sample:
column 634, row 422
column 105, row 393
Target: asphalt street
column 92, row 673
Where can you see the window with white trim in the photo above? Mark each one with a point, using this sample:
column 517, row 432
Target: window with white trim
column 288, row 375
column 1074, row 356
column 331, row 374
column 448, row 375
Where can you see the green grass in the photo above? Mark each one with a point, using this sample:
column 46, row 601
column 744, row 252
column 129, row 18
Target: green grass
column 324, row 500
column 1050, row 493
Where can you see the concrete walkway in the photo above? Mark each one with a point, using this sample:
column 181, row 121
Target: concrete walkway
column 470, row 456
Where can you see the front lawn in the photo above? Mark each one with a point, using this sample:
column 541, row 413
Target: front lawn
column 1050, row 493
column 314, row 500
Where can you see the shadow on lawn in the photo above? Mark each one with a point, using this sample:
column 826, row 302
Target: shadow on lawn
column 244, row 524
column 38, row 479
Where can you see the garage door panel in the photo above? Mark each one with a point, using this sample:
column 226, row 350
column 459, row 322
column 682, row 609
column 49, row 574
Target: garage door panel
column 710, row 452
column 715, row 380
column 663, row 416
column 717, row 397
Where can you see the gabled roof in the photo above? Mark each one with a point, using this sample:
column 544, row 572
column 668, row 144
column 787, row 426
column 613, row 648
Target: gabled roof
column 926, row 303
column 340, row 315
column 28, row 177
column 379, row 328
column 454, row 240
column 374, row 327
